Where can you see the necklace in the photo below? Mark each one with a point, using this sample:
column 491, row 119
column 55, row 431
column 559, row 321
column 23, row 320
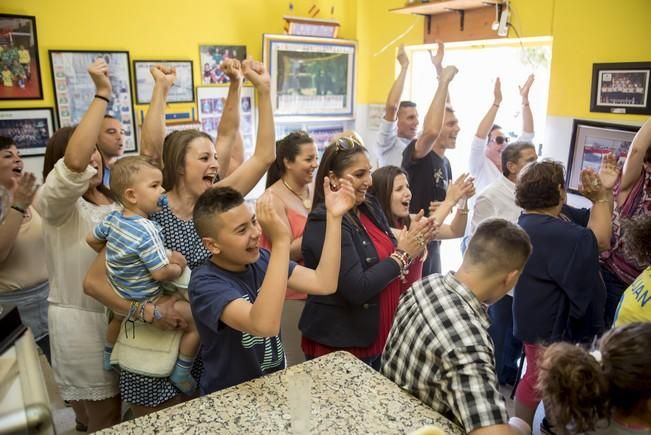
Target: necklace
column 306, row 202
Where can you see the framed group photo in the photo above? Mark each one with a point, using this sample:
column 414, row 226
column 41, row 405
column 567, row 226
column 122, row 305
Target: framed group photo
column 311, row 76
column 181, row 92
column 590, row 141
column 29, row 128
column 621, row 88
column 20, row 71
column 211, row 101
column 212, row 56
column 74, row 89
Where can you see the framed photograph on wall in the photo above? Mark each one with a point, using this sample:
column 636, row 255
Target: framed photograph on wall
column 20, row 71
column 181, row 92
column 212, row 56
column 211, row 100
column 74, row 89
column 621, row 87
column 311, row 76
column 29, row 128
column 590, row 141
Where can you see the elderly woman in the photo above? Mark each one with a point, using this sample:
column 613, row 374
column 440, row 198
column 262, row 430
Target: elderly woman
column 23, row 271
column 71, row 202
column 358, row 317
column 190, row 167
column 560, row 295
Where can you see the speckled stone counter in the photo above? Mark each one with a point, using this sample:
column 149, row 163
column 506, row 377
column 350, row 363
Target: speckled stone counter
column 348, row 397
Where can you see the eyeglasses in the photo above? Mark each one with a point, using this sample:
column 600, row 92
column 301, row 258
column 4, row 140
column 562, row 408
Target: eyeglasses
column 501, row 140
column 347, row 143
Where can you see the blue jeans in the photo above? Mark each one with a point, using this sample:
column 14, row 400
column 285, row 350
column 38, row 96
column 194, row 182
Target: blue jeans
column 614, row 289
column 507, row 347
column 432, row 263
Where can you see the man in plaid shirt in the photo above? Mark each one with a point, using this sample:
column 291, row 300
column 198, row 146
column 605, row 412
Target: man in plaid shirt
column 439, row 349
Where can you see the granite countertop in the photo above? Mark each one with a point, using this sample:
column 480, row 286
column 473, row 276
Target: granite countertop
column 347, row 397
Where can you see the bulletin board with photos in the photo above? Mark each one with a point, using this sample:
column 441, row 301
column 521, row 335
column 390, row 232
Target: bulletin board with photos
column 211, row 101
column 74, row 89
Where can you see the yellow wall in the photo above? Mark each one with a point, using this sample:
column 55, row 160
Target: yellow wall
column 160, row 29
column 584, row 32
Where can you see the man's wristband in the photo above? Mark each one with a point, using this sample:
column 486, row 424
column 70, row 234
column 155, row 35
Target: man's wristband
column 102, row 98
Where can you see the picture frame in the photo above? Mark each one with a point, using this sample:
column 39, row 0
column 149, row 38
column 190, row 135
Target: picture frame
column 621, row 88
column 181, row 92
column 211, row 57
column 29, row 128
column 211, row 100
column 590, row 140
column 22, row 79
column 311, row 77
column 74, row 89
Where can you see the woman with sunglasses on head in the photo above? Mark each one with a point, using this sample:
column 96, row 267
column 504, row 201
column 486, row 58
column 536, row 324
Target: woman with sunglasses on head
column 358, row 317
column 489, row 141
column 289, row 181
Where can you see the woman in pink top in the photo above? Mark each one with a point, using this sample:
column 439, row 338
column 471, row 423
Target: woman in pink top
column 289, row 182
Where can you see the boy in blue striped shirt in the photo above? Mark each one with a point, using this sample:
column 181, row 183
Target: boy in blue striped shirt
column 137, row 261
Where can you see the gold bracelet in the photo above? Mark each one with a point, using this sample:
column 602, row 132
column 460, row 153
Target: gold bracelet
column 602, row 200
column 462, row 211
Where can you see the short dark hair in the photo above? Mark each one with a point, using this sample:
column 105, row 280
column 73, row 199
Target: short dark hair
column 511, row 153
column 382, row 188
column 537, row 185
column 125, row 171
column 498, row 245
column 636, row 235
column 6, row 142
column 405, row 104
column 212, row 202
column 286, row 148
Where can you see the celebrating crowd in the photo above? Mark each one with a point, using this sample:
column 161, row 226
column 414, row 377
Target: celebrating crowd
column 162, row 283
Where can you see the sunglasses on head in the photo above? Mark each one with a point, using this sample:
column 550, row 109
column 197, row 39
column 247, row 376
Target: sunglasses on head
column 501, row 140
column 347, row 143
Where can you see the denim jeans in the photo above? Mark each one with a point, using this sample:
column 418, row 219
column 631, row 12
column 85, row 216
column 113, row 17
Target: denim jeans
column 507, row 347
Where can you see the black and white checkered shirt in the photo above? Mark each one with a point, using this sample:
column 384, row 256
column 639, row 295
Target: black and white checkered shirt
column 439, row 350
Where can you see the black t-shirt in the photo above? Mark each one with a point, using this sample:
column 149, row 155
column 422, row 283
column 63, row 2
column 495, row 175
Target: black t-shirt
column 428, row 178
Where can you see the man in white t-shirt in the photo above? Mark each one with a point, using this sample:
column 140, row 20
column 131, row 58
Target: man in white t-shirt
column 399, row 125
column 498, row 201
column 486, row 149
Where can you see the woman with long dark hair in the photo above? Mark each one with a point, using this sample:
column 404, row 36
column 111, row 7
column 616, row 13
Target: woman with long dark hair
column 358, row 317
column 289, row 181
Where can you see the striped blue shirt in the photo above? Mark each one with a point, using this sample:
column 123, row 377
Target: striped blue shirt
column 134, row 249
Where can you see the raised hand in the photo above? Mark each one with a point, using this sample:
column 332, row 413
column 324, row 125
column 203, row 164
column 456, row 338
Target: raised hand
column 462, row 187
column 448, row 73
column 415, row 239
column 25, row 189
column 590, row 185
column 497, row 91
column 340, row 201
column 272, row 225
column 163, row 75
column 402, row 57
column 524, row 89
column 256, row 73
column 233, row 69
column 437, row 59
column 608, row 172
column 98, row 71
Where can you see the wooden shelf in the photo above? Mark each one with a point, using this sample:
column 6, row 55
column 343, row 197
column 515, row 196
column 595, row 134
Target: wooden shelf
column 441, row 6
